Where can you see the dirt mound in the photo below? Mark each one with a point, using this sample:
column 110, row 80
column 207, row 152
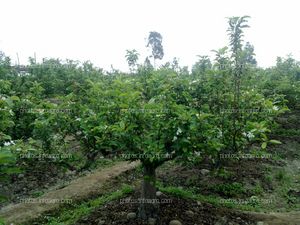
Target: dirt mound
column 188, row 212
column 78, row 189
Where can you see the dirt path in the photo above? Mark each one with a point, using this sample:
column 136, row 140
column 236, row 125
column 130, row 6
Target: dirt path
column 83, row 187
column 289, row 218
column 79, row 188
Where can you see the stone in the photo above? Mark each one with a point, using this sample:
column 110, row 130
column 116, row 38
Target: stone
column 222, row 221
column 151, row 221
column 204, row 172
column 260, row 223
column 158, row 193
column 101, row 222
column 131, row 215
column 175, row 222
column 20, row 175
column 233, row 223
column 70, row 173
column 190, row 213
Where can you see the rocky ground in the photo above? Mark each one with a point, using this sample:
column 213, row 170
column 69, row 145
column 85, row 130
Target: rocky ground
column 176, row 212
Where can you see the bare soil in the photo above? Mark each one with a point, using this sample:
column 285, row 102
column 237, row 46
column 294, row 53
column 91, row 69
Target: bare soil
column 80, row 188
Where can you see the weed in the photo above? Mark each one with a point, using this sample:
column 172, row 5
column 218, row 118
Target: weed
column 231, row 190
column 258, row 190
column 282, row 176
column 223, row 173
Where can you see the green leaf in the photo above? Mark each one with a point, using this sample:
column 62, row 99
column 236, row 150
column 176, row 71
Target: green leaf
column 152, row 100
column 264, row 145
column 264, row 137
column 275, row 142
column 15, row 98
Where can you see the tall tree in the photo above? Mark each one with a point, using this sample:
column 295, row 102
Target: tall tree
column 155, row 41
column 132, row 57
column 175, row 64
column 235, row 32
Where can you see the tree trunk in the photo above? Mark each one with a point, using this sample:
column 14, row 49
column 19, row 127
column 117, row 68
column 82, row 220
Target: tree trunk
column 148, row 206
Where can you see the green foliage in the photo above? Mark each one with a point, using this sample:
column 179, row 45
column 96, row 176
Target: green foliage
column 211, row 199
column 7, row 166
column 178, row 192
column 37, row 194
column 202, row 66
column 7, row 162
column 223, row 173
column 254, row 201
column 4, row 66
column 282, row 176
column 235, row 30
column 132, row 57
column 230, row 190
column 268, row 178
column 23, row 118
column 258, row 190
column 152, row 114
column 6, row 115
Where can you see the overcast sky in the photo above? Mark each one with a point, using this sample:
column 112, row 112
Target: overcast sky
column 102, row 30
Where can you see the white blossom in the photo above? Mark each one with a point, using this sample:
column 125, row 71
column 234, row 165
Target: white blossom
column 8, row 143
column 250, row 135
column 220, row 134
column 198, row 153
column 179, row 131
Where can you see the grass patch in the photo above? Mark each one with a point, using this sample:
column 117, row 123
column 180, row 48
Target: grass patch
column 71, row 215
column 258, row 190
column 282, row 177
column 251, row 204
column 231, row 190
column 2, row 221
column 224, row 174
column 37, row 194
